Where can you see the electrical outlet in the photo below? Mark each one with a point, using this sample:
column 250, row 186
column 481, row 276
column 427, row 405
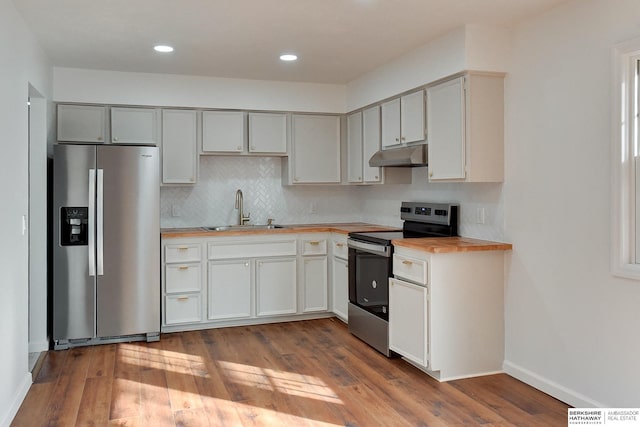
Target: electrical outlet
column 480, row 215
column 175, row 210
column 313, row 207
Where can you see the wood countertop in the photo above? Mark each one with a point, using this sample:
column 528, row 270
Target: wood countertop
column 440, row 245
column 342, row 228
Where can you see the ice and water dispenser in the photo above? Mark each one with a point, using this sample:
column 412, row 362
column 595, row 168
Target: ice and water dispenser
column 74, row 226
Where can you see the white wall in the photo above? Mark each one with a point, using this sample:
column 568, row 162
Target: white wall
column 571, row 326
column 22, row 62
column 114, row 87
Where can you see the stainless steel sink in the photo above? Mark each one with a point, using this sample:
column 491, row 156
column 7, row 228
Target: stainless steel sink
column 242, row 227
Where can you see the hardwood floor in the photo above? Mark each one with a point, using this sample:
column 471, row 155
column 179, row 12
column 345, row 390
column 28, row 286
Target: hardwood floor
column 309, row 373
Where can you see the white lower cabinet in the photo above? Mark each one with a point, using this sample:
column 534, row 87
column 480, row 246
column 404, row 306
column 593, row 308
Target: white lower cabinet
column 446, row 311
column 183, row 308
column 182, row 282
column 276, row 286
column 315, row 283
column 409, row 320
column 339, row 276
column 340, row 282
column 212, row 281
column 229, row 289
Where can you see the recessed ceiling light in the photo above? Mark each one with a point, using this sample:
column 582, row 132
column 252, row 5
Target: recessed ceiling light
column 163, row 48
column 288, row 57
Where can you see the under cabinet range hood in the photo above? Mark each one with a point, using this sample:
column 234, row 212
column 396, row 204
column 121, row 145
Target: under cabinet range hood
column 413, row 156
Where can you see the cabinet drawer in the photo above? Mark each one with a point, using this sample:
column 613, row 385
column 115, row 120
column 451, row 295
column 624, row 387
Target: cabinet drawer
column 182, row 253
column 412, row 269
column 314, row 247
column 340, row 248
column 183, row 308
column 182, row 278
column 231, row 250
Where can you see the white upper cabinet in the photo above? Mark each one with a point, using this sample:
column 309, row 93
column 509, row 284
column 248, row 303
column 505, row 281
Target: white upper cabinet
column 371, row 143
column 315, row 150
column 131, row 125
column 446, row 120
column 403, row 120
column 354, row 150
column 268, row 133
column 179, row 147
column 82, row 123
column 465, row 129
column 363, row 141
column 223, row 131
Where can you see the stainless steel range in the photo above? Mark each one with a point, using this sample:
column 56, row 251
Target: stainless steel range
column 371, row 265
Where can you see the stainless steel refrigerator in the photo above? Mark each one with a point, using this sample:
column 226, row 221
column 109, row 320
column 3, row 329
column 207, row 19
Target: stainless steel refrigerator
column 106, row 244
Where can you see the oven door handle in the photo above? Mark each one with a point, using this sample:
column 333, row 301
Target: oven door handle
column 372, row 248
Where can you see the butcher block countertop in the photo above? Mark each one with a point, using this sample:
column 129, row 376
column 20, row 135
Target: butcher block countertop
column 343, row 228
column 440, row 245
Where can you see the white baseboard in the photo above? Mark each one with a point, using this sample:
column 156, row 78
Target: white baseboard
column 564, row 394
column 5, row 419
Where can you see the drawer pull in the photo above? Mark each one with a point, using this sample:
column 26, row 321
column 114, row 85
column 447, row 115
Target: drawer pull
column 407, row 262
column 183, row 248
column 339, row 245
column 314, row 243
column 183, row 298
column 183, row 267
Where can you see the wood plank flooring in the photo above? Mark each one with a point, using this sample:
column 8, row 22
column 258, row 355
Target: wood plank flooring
column 308, row 373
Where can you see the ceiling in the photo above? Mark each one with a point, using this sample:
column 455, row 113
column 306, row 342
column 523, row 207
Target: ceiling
column 336, row 40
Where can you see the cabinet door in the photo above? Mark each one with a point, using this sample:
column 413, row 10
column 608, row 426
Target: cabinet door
column 391, row 123
column 229, row 289
column 223, row 131
column 408, row 321
column 354, row 150
column 315, row 284
column 340, row 282
column 179, row 147
column 412, row 117
column 445, row 130
column 134, row 125
column 268, row 133
column 371, row 143
column 315, row 145
column 276, row 286
column 81, row 123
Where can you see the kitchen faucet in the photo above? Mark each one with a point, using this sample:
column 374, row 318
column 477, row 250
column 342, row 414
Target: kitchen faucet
column 239, row 205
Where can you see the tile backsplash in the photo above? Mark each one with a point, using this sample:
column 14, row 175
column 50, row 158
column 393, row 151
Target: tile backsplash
column 211, row 201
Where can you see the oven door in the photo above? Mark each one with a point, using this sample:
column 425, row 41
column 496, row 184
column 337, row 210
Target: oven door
column 370, row 266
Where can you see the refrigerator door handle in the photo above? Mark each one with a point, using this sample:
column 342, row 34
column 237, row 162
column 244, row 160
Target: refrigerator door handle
column 100, row 223
column 92, row 222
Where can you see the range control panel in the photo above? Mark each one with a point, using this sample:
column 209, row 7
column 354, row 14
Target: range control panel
column 437, row 213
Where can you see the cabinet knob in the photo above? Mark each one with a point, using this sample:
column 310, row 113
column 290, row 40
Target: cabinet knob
column 403, row 138
column 239, row 148
column 339, row 245
column 183, row 298
column 99, row 138
column 376, row 177
column 314, row 243
column 397, row 139
column 359, row 178
column 246, row 264
column 407, row 262
column 430, row 174
column 296, row 179
column 115, row 138
column 183, row 267
column 253, row 148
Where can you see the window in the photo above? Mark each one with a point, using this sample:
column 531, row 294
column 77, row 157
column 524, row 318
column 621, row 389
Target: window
column 625, row 253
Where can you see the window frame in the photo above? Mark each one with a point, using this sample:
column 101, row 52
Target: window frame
column 625, row 245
